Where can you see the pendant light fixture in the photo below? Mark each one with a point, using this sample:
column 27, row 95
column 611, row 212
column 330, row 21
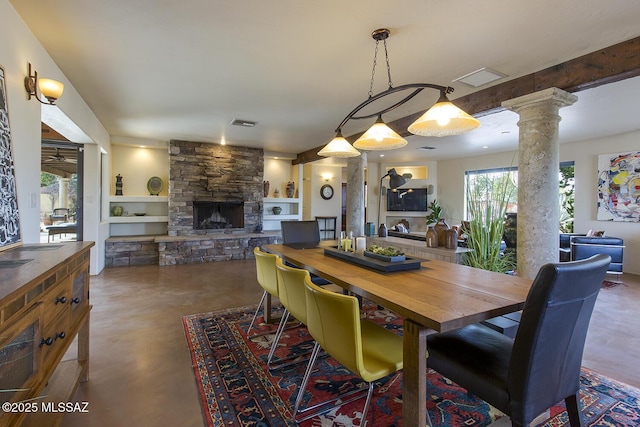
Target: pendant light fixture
column 442, row 119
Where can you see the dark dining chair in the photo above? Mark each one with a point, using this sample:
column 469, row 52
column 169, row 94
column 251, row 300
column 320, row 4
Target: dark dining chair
column 301, row 235
column 525, row 376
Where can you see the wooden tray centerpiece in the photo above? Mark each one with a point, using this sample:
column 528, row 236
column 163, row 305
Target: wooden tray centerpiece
column 376, row 261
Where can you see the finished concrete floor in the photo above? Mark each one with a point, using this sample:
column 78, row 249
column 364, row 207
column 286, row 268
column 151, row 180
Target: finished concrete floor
column 140, row 367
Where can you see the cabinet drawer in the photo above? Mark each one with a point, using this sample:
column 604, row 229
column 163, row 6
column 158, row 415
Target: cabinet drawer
column 57, row 300
column 55, row 338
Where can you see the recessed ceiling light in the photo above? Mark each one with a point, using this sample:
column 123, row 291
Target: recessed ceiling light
column 245, row 123
column 480, row 77
column 381, row 155
column 484, row 147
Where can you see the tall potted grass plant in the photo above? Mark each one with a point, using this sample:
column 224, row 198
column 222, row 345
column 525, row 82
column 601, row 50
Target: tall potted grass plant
column 487, row 200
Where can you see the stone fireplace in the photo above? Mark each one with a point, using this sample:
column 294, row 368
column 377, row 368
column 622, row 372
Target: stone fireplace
column 225, row 181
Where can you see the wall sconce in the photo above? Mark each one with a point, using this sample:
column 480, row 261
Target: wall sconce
column 326, row 176
column 50, row 89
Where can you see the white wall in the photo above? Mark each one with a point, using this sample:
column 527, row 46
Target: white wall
column 585, row 155
column 315, row 176
column 136, row 165
column 20, row 47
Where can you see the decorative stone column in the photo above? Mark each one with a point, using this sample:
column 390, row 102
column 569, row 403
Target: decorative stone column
column 63, row 197
column 538, row 166
column 355, row 194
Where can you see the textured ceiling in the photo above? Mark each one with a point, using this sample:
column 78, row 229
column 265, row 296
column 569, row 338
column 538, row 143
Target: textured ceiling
column 165, row 70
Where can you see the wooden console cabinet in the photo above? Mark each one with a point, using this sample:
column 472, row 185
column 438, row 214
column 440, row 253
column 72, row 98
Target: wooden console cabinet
column 44, row 306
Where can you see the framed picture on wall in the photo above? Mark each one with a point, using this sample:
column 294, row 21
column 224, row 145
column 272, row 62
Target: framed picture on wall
column 619, row 187
column 9, row 217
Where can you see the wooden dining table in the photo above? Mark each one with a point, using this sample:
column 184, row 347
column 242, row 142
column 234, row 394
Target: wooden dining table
column 439, row 296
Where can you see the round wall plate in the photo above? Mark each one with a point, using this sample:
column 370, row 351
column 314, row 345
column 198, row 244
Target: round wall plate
column 154, row 185
column 326, row 191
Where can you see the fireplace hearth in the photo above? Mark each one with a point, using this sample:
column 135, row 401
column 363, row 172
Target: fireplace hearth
column 218, row 215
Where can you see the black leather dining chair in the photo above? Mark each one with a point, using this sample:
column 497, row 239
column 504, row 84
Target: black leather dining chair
column 525, row 376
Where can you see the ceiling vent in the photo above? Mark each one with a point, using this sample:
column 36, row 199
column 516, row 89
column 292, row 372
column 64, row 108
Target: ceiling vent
column 245, row 123
column 480, row 77
column 426, row 147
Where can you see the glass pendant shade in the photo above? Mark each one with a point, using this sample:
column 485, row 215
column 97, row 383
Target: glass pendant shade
column 380, row 137
column 338, row 147
column 443, row 119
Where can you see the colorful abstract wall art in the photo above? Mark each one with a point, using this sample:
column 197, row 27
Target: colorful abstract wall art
column 619, row 187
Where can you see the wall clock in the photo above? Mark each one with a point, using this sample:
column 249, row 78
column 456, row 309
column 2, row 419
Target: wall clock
column 326, row 191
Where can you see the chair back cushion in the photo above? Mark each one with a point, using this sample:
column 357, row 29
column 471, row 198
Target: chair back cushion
column 547, row 351
column 266, row 271
column 333, row 320
column 300, row 231
column 291, row 290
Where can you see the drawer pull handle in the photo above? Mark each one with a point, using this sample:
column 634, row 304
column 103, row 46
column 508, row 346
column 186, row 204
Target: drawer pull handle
column 47, row 341
column 75, row 301
column 60, row 335
column 61, row 300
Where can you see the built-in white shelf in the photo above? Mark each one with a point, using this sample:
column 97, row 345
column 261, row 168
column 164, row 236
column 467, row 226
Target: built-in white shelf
column 137, row 219
column 139, row 199
column 155, row 220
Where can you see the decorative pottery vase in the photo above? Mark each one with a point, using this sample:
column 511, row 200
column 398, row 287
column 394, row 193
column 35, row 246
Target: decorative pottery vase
column 276, row 193
column 117, row 210
column 451, row 238
column 382, row 230
column 118, row 185
column 510, row 233
column 276, row 210
column 265, row 186
column 440, row 227
column 369, row 229
column 291, row 189
column 432, row 237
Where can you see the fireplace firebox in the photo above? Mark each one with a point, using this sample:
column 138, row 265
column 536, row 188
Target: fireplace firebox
column 218, row 215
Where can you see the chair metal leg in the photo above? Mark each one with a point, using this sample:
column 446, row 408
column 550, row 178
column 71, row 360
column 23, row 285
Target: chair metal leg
column 274, row 344
column 573, row 410
column 322, row 408
column 255, row 315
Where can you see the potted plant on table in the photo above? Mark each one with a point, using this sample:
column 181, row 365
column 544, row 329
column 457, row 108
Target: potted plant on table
column 435, row 212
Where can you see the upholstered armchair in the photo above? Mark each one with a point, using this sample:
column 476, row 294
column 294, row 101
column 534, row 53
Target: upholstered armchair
column 584, row 247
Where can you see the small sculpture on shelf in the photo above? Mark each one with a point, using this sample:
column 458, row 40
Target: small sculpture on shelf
column 276, row 193
column 118, row 185
column 265, row 185
column 291, row 189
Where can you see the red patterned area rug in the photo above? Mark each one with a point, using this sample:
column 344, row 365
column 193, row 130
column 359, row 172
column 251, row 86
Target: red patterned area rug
column 237, row 389
column 608, row 284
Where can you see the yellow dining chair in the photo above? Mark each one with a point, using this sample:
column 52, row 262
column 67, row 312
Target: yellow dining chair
column 267, row 278
column 365, row 348
column 292, row 297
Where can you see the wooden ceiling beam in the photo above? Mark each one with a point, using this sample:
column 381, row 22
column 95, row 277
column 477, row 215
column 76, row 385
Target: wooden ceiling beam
column 614, row 63
column 48, row 133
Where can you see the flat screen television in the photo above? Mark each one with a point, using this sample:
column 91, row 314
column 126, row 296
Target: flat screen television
column 407, row 199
